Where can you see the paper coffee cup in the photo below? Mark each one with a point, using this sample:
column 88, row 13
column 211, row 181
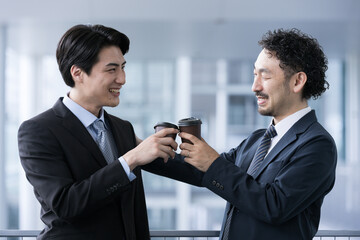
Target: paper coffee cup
column 190, row 125
column 161, row 125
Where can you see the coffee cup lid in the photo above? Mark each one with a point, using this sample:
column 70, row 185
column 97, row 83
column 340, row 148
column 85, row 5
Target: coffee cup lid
column 189, row 121
column 166, row 124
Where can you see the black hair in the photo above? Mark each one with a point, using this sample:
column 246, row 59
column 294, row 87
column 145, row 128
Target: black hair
column 81, row 44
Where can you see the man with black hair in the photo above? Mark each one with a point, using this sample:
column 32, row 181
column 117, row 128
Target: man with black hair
column 276, row 179
column 83, row 163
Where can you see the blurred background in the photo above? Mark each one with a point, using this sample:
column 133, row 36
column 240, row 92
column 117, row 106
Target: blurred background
column 186, row 58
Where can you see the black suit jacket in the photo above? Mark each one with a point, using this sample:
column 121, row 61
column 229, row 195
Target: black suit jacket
column 283, row 201
column 81, row 196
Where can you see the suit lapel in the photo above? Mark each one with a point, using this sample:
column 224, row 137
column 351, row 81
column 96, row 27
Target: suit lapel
column 287, row 139
column 117, row 134
column 78, row 131
column 290, row 136
column 244, row 161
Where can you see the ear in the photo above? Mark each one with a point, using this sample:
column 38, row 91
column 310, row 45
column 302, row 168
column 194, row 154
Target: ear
column 300, row 80
column 76, row 74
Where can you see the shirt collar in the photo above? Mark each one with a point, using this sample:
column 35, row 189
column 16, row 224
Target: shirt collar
column 284, row 125
column 85, row 117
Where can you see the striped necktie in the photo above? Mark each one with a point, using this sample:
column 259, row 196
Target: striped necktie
column 103, row 140
column 262, row 150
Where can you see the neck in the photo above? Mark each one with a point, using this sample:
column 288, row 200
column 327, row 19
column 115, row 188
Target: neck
column 76, row 97
column 290, row 111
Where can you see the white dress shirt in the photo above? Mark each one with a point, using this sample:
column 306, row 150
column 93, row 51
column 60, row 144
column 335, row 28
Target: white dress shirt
column 284, row 125
column 87, row 118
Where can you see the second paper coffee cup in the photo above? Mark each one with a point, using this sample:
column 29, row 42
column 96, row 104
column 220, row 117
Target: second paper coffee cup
column 190, row 125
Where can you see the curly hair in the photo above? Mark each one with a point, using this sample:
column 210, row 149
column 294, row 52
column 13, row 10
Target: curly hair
column 299, row 52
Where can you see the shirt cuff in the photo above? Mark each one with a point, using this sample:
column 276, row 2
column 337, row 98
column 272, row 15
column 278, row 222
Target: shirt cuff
column 124, row 164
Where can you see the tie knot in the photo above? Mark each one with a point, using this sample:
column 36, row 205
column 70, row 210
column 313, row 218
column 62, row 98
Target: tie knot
column 271, row 132
column 99, row 125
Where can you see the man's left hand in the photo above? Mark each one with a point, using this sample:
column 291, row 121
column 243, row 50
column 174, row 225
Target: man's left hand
column 199, row 154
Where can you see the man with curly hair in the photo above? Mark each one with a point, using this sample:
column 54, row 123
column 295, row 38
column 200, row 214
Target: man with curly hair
column 276, row 179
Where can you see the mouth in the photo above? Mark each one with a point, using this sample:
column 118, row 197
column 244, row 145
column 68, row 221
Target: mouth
column 261, row 101
column 114, row 90
column 261, row 98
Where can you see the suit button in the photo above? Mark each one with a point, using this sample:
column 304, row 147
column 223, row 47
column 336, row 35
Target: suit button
column 214, row 182
column 217, row 185
column 221, row 187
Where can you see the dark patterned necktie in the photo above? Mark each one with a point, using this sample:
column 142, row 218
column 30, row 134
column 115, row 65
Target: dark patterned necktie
column 225, row 235
column 262, row 150
column 256, row 162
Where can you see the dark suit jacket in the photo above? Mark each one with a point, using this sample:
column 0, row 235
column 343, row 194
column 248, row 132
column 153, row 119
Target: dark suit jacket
column 284, row 200
column 81, row 196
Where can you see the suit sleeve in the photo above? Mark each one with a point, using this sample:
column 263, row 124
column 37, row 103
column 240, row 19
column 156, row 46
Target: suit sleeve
column 47, row 168
column 182, row 171
column 176, row 169
column 304, row 177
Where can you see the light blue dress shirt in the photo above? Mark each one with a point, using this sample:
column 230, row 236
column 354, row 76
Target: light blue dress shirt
column 87, row 118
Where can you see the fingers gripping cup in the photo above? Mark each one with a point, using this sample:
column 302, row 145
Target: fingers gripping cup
column 190, row 125
column 162, row 125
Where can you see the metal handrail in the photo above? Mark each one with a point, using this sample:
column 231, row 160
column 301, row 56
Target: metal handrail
column 190, row 233
column 338, row 233
column 18, row 233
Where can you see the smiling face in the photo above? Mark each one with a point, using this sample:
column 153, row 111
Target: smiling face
column 102, row 86
column 276, row 96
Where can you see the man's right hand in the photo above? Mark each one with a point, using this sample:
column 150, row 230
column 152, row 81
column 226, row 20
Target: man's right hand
column 155, row 146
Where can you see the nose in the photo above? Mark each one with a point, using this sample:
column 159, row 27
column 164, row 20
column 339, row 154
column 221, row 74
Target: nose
column 256, row 86
column 121, row 78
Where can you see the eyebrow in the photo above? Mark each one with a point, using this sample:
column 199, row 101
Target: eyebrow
column 263, row 70
column 115, row 64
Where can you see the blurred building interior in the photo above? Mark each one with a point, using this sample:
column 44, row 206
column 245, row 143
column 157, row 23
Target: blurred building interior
column 186, row 58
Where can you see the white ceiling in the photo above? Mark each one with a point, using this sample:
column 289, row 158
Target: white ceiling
column 198, row 28
column 184, row 10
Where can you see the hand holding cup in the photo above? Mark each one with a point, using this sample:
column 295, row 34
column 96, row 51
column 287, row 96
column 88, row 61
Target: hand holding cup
column 192, row 126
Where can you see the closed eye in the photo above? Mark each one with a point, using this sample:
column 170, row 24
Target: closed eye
column 111, row 67
column 264, row 76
